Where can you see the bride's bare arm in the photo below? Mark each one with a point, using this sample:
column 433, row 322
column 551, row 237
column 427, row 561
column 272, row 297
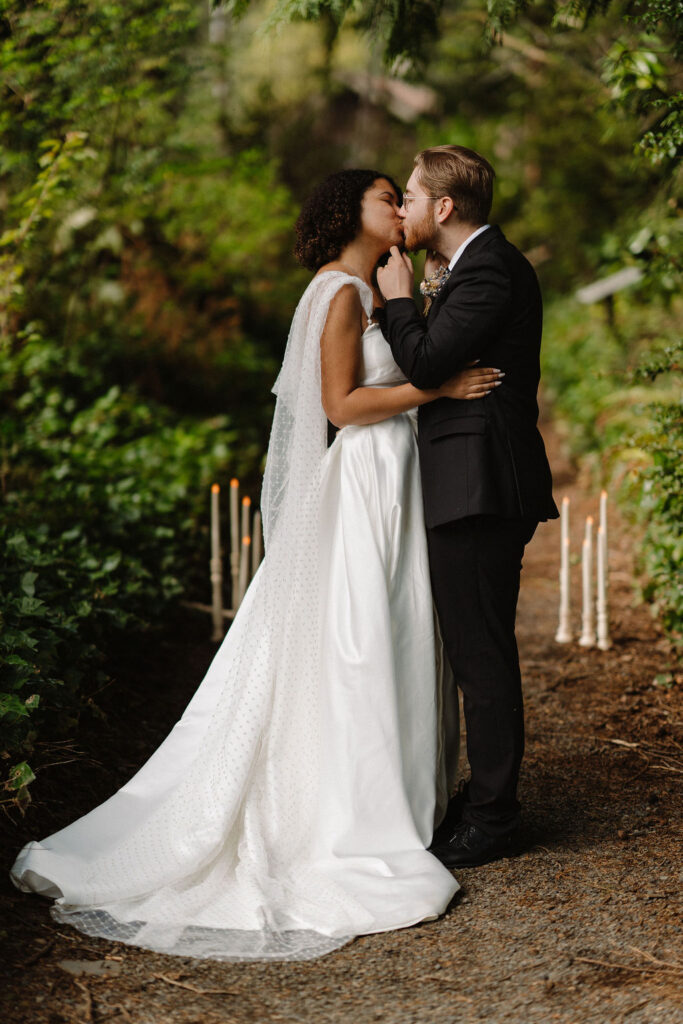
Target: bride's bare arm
column 345, row 402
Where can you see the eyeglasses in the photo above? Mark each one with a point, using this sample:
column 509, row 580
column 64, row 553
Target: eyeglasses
column 407, row 200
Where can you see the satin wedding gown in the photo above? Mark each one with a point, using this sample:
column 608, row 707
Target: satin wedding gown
column 289, row 809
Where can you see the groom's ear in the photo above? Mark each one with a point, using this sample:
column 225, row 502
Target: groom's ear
column 444, row 209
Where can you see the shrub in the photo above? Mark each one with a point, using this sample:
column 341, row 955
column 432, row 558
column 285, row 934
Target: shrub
column 103, row 513
column 617, row 394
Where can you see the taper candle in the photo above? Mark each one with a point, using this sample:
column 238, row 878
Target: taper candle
column 244, row 569
column 245, row 529
column 234, row 539
column 216, row 566
column 587, row 638
column 563, row 634
column 603, row 527
column 603, row 620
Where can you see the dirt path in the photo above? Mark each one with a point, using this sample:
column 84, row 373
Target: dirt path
column 566, row 932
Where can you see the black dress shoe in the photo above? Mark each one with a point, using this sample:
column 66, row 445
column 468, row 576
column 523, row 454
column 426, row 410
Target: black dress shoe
column 469, row 847
column 452, row 817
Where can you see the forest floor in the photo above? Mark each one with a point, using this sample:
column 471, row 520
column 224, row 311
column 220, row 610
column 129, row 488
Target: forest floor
column 585, row 926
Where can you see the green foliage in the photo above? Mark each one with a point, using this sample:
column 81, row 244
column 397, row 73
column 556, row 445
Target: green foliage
column 628, row 410
column 662, row 511
column 662, row 488
column 406, row 29
column 134, row 370
column 104, row 497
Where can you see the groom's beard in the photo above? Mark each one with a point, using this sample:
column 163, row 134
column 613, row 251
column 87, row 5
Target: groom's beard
column 422, row 234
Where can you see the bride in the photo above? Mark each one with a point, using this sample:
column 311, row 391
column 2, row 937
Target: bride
column 290, row 808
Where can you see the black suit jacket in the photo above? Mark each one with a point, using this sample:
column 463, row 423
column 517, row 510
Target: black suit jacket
column 486, row 456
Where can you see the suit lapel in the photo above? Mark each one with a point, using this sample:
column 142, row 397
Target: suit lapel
column 489, row 237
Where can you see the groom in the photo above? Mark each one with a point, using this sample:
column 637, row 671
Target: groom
column 485, row 476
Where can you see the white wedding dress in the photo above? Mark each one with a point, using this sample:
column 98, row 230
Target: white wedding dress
column 289, row 809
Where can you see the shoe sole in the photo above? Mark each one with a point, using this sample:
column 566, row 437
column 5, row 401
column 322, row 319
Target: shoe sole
column 480, row 862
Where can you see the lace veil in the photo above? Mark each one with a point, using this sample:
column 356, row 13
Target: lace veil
column 298, row 438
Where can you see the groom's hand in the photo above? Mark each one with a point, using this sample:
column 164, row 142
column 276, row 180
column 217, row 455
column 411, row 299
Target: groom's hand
column 395, row 280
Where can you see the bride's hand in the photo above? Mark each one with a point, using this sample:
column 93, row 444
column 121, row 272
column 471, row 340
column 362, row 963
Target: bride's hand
column 472, row 382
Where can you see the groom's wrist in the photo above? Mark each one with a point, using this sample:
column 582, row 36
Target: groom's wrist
column 402, row 303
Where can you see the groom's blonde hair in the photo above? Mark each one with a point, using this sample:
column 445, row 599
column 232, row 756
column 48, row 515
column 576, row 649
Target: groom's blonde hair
column 463, row 175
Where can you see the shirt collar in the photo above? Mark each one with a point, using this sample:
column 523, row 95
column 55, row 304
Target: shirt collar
column 458, row 252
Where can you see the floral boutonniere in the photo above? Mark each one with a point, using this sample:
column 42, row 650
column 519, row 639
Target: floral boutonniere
column 432, row 285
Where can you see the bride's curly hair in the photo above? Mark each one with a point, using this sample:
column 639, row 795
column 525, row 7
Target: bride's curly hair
column 330, row 217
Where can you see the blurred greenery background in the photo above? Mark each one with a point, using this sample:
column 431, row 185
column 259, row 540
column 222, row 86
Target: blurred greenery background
column 153, row 157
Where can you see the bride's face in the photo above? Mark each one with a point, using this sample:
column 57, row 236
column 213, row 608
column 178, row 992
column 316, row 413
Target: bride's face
column 379, row 217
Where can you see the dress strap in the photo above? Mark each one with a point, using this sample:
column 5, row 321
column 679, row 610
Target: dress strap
column 365, row 292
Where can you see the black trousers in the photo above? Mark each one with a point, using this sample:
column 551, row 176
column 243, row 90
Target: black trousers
column 475, row 565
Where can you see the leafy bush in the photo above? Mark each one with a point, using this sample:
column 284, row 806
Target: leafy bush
column 661, row 498
column 103, row 495
column 617, row 394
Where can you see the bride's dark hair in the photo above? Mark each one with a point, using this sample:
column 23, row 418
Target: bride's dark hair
column 330, row 217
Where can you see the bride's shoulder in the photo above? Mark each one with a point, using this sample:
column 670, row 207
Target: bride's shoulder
column 346, row 288
column 334, row 285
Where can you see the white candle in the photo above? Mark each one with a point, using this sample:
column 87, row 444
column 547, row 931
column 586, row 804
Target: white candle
column 244, row 569
column 257, row 546
column 234, row 539
column 603, row 623
column 215, row 521
column 215, row 565
column 603, row 512
column 603, row 527
column 587, row 638
column 245, row 529
column 563, row 634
